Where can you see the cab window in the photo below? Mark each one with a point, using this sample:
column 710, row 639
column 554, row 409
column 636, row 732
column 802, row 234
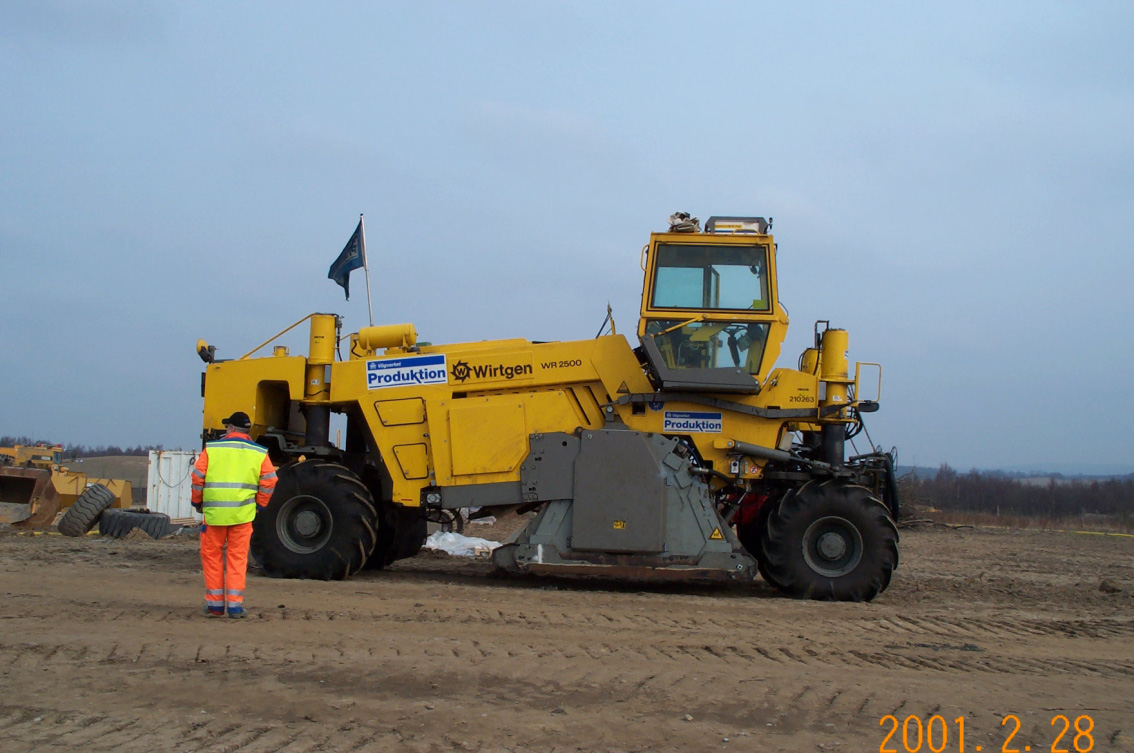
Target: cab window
column 710, row 345
column 711, row 277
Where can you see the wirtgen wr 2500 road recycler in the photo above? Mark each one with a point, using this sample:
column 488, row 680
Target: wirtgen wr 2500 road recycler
column 688, row 456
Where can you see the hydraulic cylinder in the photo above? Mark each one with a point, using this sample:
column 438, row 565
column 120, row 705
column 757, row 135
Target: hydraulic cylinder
column 317, row 385
column 833, row 373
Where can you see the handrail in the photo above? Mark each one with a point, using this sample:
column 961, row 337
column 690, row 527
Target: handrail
column 857, row 367
column 273, row 337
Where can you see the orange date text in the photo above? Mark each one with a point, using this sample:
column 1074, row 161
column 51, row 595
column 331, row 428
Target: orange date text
column 912, row 734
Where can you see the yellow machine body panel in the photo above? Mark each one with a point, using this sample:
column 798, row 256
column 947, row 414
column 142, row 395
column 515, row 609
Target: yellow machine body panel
column 260, row 387
column 476, row 416
column 498, row 416
column 408, row 411
column 413, row 460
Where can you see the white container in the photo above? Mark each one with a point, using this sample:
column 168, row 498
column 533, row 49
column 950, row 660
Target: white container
column 168, row 484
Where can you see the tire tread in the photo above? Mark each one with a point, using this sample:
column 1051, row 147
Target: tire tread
column 118, row 523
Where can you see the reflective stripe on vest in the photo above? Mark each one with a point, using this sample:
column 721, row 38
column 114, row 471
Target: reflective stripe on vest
column 231, row 481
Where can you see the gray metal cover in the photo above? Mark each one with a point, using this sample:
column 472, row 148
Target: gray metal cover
column 620, row 494
column 548, row 472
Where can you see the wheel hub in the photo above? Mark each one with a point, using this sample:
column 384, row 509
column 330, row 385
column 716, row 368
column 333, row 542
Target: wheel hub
column 304, row 524
column 832, row 546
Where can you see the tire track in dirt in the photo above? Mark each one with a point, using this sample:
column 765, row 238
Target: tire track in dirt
column 38, row 729
column 944, row 627
column 786, row 705
column 27, row 656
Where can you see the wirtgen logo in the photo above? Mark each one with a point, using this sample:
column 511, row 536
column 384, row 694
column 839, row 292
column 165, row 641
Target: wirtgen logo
column 462, row 371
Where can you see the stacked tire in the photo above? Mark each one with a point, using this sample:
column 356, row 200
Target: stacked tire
column 94, row 507
column 118, row 523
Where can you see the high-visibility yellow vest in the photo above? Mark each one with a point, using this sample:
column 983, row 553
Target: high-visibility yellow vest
column 231, row 481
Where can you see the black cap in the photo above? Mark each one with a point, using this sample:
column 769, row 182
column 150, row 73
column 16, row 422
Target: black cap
column 240, row 420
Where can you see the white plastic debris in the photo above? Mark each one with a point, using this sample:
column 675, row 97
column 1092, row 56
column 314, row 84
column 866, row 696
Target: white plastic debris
column 460, row 546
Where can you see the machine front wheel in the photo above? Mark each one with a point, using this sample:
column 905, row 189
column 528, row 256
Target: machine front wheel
column 320, row 523
column 830, row 540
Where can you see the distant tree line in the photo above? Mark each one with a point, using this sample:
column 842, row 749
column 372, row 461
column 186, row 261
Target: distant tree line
column 74, row 451
column 993, row 493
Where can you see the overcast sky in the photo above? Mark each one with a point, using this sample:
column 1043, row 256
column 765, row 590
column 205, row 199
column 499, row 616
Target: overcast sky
column 952, row 184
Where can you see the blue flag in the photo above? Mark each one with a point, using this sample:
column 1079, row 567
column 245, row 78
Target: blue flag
column 349, row 260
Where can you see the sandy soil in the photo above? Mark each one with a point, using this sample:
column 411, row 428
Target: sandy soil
column 103, row 647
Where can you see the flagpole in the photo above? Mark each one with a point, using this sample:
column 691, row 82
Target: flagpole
column 366, row 267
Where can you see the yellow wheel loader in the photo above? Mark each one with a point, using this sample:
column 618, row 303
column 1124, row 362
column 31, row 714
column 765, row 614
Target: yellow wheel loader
column 686, row 455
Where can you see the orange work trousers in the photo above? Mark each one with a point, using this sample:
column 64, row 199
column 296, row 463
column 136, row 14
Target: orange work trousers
column 224, row 558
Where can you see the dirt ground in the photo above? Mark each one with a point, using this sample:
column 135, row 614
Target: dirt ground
column 103, row 647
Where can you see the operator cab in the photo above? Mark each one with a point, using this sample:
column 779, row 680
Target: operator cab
column 710, row 316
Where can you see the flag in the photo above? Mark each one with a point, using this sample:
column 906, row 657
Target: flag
column 349, row 260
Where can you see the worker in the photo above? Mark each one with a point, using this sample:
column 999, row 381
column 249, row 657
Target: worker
column 232, row 481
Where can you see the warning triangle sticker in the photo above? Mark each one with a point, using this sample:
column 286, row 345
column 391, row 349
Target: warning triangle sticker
column 716, row 535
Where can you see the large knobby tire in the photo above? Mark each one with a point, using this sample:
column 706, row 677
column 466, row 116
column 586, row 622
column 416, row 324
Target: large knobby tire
column 118, row 523
column 82, row 516
column 401, row 534
column 831, row 540
column 320, row 524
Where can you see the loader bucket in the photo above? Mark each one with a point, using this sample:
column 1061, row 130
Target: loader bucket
column 28, row 499
column 71, row 484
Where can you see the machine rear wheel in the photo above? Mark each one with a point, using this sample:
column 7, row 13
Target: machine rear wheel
column 401, row 534
column 320, row 524
column 831, row 540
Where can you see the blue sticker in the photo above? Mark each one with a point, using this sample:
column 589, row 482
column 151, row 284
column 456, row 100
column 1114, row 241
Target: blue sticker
column 686, row 421
column 400, row 372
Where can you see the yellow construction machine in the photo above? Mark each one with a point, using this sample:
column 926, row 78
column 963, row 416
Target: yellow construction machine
column 687, row 455
column 35, row 486
column 45, row 456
